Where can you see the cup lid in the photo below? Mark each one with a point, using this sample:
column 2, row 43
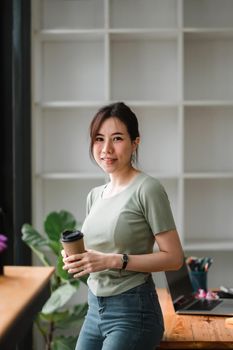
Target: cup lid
column 71, row 235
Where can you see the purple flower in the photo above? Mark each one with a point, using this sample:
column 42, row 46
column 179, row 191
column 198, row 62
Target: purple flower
column 3, row 241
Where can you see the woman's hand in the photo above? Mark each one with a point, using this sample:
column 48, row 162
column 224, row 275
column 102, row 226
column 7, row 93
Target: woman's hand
column 85, row 263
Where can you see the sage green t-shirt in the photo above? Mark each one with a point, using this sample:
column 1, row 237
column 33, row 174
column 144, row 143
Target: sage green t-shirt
column 125, row 223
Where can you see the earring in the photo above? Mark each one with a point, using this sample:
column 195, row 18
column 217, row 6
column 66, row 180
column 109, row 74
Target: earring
column 133, row 157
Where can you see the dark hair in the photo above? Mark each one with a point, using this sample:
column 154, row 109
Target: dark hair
column 120, row 111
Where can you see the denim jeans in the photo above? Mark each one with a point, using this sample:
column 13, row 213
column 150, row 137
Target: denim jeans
column 129, row 321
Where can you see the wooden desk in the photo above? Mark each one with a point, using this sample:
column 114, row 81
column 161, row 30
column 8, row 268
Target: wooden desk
column 23, row 291
column 192, row 332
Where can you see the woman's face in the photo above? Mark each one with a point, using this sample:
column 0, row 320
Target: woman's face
column 113, row 148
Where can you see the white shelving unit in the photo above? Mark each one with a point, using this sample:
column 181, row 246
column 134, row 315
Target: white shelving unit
column 172, row 62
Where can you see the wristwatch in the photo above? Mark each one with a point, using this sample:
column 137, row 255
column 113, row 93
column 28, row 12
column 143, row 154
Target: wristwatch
column 125, row 259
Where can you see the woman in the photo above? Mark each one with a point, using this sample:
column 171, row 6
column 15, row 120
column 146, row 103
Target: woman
column 124, row 219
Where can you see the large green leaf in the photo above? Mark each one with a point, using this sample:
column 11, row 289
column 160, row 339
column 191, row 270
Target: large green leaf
column 56, row 222
column 59, row 298
column 36, row 242
column 63, row 274
column 74, row 281
column 71, row 318
column 64, row 343
column 54, row 316
column 55, row 246
column 74, row 318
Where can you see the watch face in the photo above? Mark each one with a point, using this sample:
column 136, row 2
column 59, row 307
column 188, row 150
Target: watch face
column 125, row 260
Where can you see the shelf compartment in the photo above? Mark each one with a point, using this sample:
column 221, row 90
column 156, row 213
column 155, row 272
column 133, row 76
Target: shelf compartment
column 208, row 141
column 143, row 13
column 208, row 68
column 71, row 70
column 67, row 195
column 72, row 14
column 65, row 146
column 143, row 69
column 208, row 13
column 154, row 124
column 208, row 211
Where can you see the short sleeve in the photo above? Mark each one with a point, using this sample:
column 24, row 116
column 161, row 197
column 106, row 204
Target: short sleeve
column 92, row 196
column 88, row 202
column 156, row 206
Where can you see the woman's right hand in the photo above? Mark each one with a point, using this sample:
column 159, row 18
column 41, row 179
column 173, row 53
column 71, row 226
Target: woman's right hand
column 90, row 261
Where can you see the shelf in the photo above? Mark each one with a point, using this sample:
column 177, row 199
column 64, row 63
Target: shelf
column 208, row 175
column 210, row 33
column 208, row 103
column 164, row 176
column 172, row 63
column 70, row 176
column 70, row 34
column 158, row 175
column 69, row 104
column 200, row 245
column 97, row 175
column 146, row 34
column 96, row 104
column 117, row 34
column 152, row 103
column 134, row 103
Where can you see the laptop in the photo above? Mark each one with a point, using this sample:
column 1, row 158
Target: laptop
column 184, row 301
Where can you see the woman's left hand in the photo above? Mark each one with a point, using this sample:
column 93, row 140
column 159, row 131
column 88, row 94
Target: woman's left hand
column 82, row 264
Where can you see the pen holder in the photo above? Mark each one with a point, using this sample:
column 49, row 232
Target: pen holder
column 198, row 280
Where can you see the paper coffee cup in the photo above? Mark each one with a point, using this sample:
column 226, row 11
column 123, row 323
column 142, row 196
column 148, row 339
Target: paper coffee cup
column 72, row 242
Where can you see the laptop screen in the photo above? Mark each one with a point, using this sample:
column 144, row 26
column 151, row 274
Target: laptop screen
column 179, row 283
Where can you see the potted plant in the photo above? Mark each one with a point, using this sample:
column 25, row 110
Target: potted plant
column 56, row 315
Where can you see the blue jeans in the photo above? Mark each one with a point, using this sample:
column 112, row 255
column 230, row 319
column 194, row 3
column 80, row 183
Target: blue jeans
column 129, row 321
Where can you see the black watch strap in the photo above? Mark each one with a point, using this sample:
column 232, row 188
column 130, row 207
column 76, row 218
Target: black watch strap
column 125, row 260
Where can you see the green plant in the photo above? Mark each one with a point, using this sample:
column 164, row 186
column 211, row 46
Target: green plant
column 56, row 316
